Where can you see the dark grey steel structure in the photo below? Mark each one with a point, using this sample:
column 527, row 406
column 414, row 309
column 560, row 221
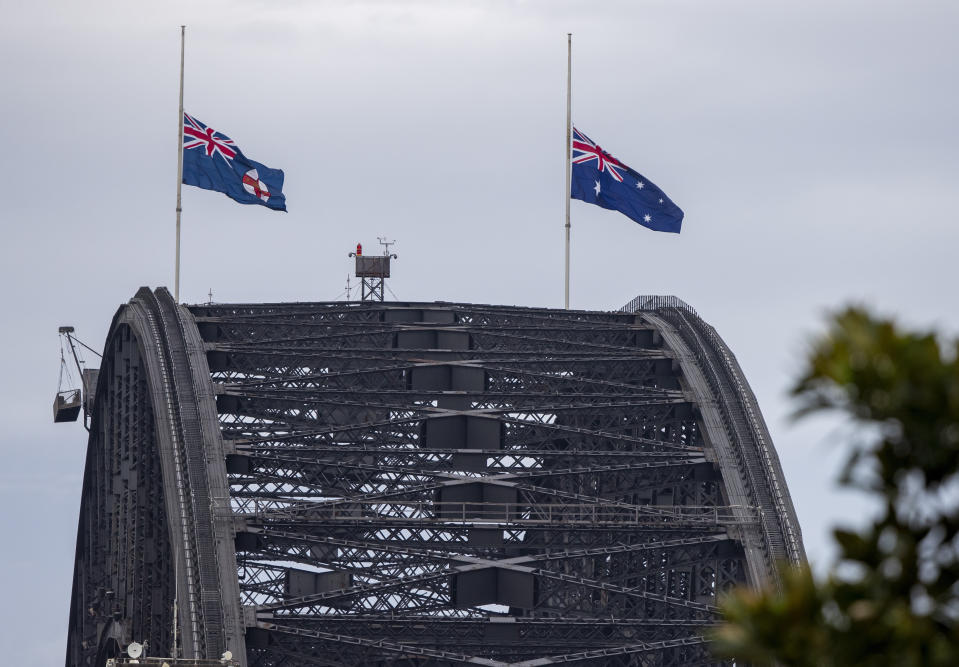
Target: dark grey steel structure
column 420, row 484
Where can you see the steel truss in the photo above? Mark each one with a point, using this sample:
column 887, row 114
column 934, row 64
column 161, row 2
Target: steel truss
column 421, row 484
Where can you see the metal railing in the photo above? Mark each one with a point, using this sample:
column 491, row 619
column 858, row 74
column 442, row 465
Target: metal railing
column 695, row 331
column 172, row 662
column 657, row 302
column 416, row 511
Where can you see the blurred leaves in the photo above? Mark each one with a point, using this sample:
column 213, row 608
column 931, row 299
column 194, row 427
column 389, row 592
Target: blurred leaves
column 893, row 596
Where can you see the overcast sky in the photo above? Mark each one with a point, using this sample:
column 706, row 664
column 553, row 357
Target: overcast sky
column 812, row 145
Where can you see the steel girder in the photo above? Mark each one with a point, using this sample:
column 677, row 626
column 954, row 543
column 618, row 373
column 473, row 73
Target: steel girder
column 150, row 547
column 422, row 484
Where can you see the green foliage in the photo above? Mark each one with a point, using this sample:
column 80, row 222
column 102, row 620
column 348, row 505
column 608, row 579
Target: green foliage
column 893, row 597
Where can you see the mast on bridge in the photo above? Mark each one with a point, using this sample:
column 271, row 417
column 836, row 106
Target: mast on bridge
column 373, row 270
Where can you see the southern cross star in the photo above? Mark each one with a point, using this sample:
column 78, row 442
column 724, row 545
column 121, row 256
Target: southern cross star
column 647, row 217
column 640, row 185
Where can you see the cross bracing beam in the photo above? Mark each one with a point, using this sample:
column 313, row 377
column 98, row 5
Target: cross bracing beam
column 304, row 470
column 474, row 637
column 658, row 556
column 265, row 361
column 619, row 375
column 456, row 517
column 263, row 542
column 465, row 318
column 605, row 341
column 651, row 556
column 537, row 494
column 413, row 624
column 607, row 656
column 232, row 360
column 519, row 432
column 320, row 454
column 292, row 335
column 685, row 546
column 662, row 428
column 353, row 475
column 453, row 564
column 294, row 398
column 425, row 484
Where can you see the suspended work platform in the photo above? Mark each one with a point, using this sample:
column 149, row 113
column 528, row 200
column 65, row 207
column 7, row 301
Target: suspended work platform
column 66, row 406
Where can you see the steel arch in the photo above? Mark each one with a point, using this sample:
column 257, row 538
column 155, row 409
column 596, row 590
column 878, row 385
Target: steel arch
column 422, row 484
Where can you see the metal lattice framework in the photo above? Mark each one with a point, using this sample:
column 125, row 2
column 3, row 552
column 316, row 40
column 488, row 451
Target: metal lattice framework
column 421, row 484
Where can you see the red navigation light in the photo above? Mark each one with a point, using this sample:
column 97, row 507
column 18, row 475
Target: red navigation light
column 359, row 249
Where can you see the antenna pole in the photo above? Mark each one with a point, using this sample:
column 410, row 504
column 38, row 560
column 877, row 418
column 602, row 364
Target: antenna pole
column 386, row 244
column 569, row 143
column 179, row 169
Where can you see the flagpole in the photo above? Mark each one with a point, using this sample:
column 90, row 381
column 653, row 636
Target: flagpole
column 179, row 169
column 569, row 143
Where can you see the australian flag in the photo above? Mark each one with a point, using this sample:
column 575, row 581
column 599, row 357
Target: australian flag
column 599, row 178
column 211, row 160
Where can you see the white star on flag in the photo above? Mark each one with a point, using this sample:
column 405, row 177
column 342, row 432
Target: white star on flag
column 647, row 217
column 597, row 188
column 640, row 185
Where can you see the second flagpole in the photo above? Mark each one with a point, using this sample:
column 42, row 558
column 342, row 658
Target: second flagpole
column 179, row 170
column 569, row 143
